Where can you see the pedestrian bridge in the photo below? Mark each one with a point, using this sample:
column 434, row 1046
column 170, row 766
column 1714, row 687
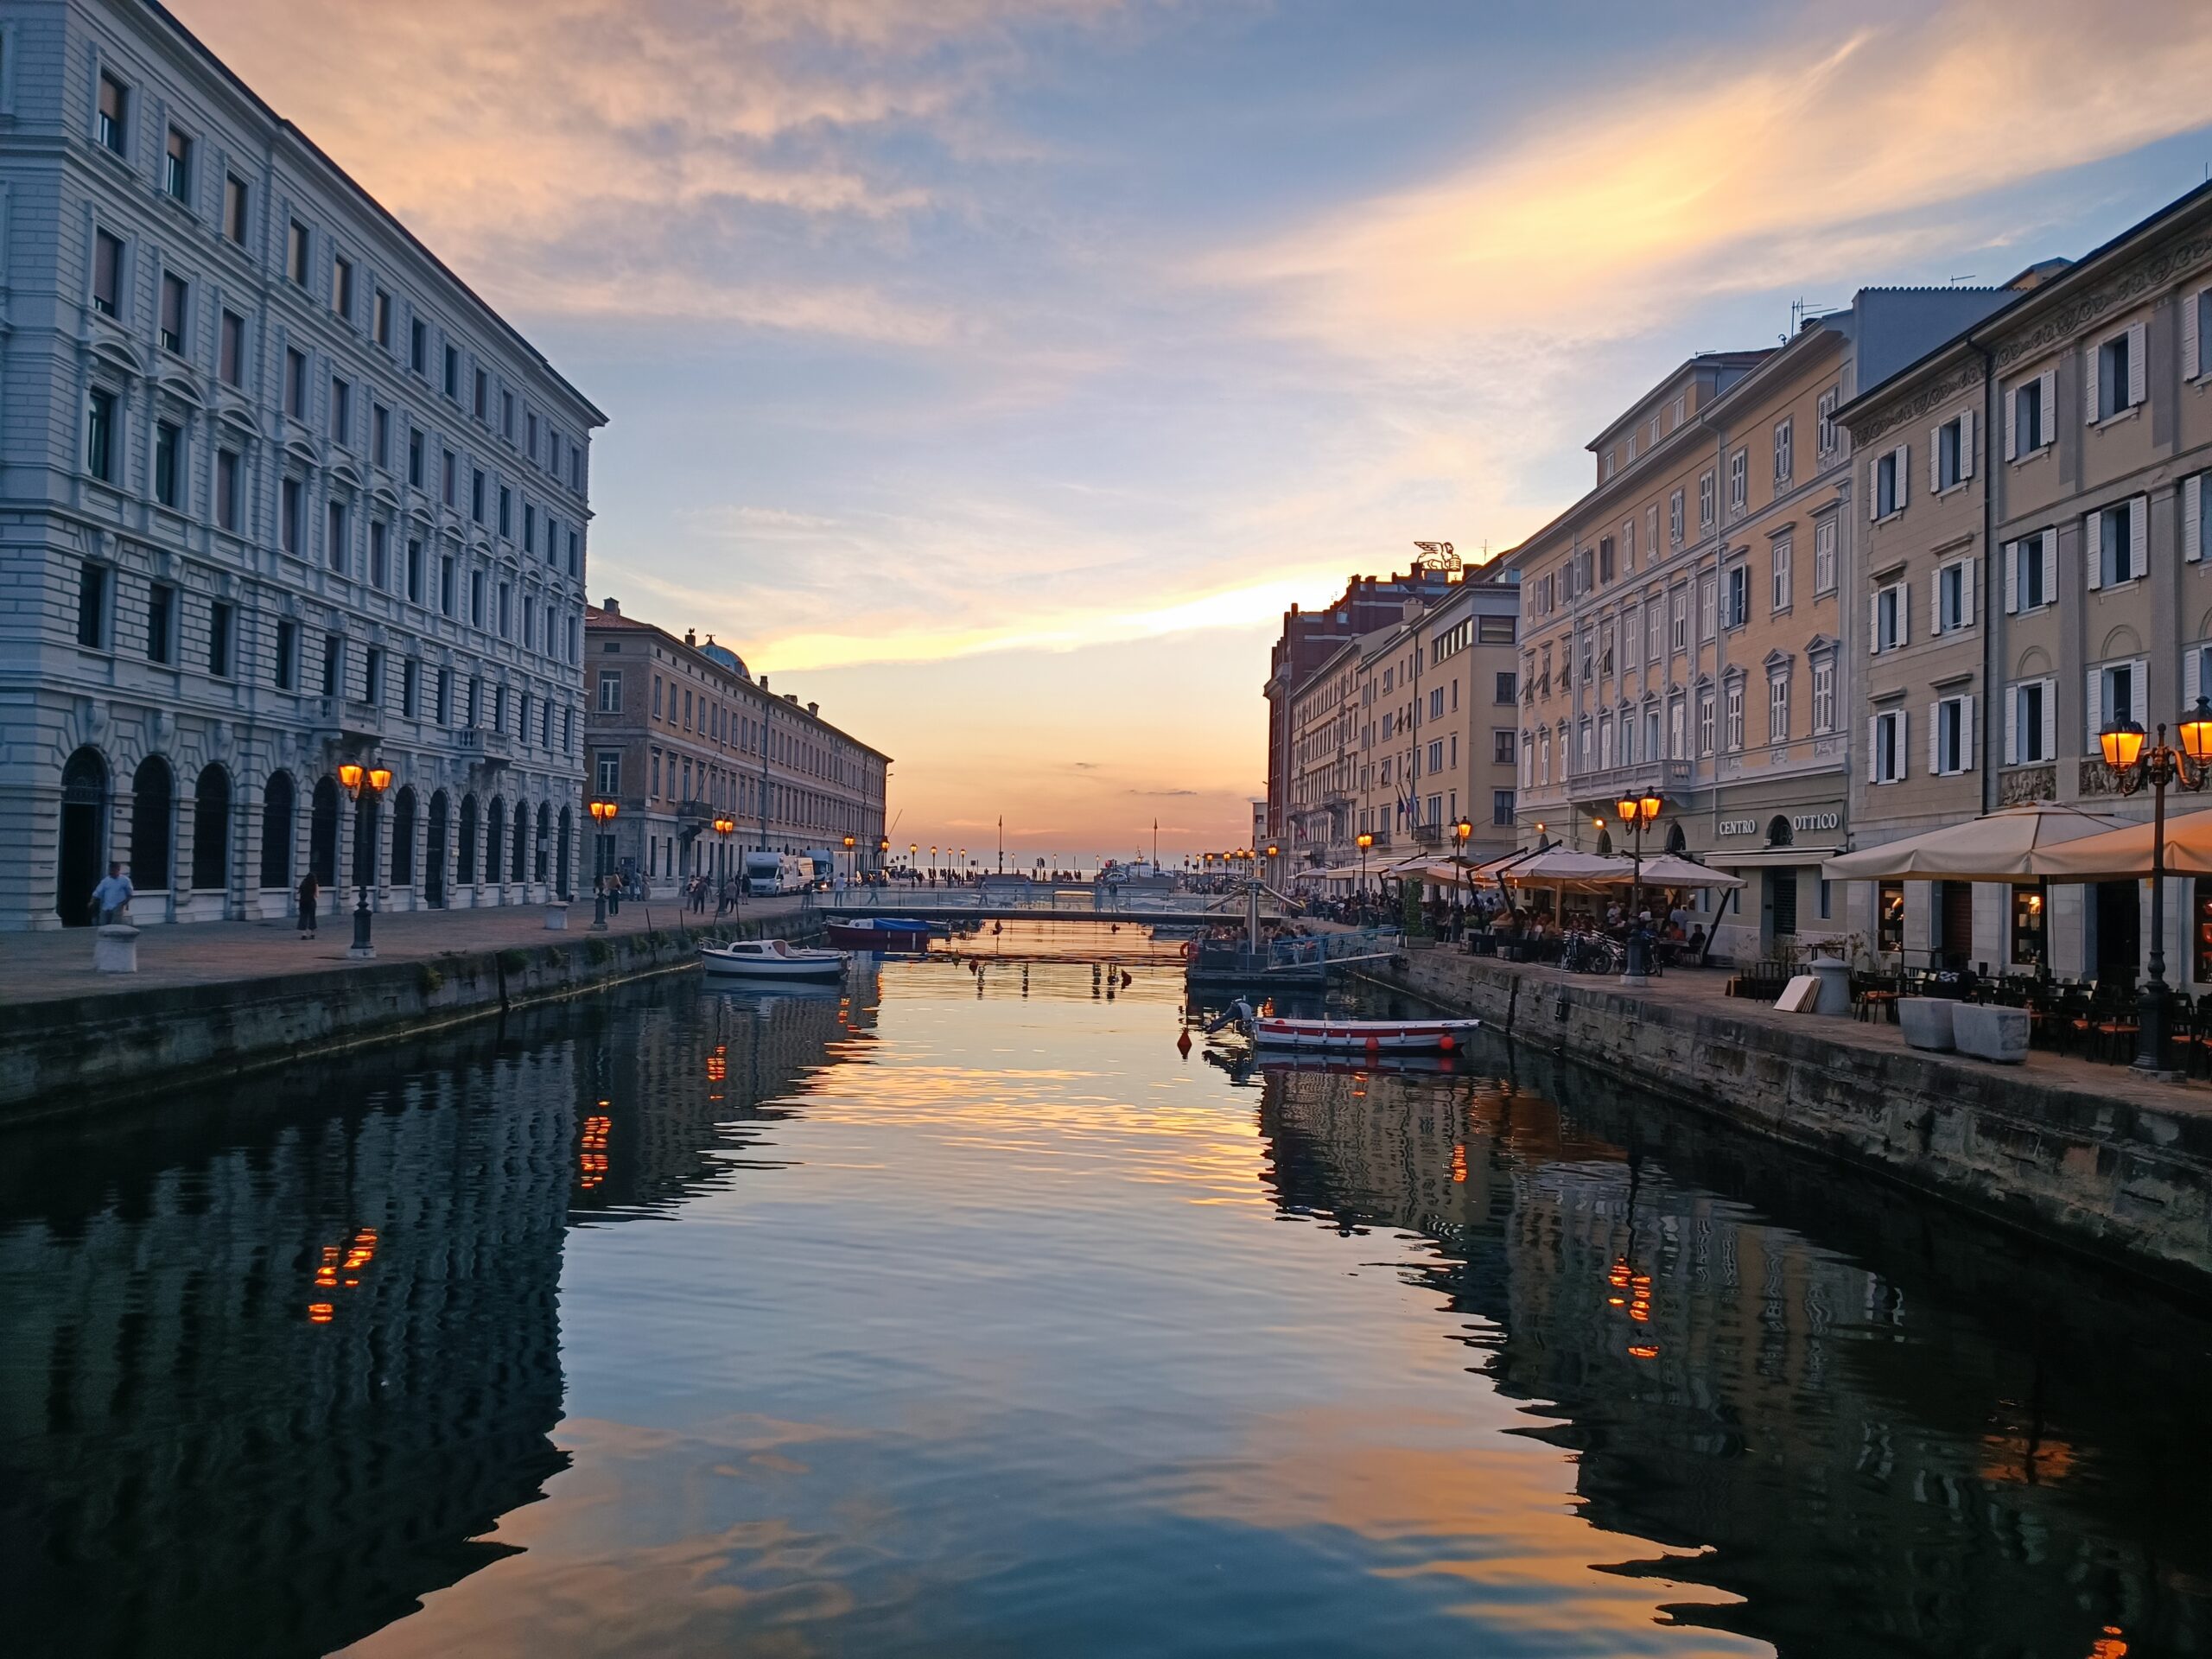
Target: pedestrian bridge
column 1077, row 903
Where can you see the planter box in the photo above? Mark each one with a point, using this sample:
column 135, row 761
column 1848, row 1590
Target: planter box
column 1926, row 1021
column 1991, row 1034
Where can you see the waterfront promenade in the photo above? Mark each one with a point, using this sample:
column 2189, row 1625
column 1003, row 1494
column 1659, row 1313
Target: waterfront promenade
column 58, row 966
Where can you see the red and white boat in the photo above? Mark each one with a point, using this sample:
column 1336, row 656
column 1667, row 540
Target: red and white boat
column 1366, row 1036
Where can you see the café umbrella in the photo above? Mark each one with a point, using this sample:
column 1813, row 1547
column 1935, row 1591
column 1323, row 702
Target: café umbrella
column 2019, row 843
column 2125, row 851
column 1672, row 870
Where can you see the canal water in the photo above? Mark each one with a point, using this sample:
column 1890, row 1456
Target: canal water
column 960, row 1313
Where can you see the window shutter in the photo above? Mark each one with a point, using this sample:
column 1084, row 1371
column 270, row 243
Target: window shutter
column 1935, row 731
column 1874, row 748
column 1873, row 624
column 1874, row 488
column 1966, row 594
column 2010, row 554
column 1904, row 612
column 2091, row 367
column 2138, row 370
column 2051, row 565
column 1966, row 733
column 2192, row 675
column 2012, row 424
column 1966, row 444
column 2094, row 709
column 2092, row 550
column 1904, row 473
column 2139, row 536
column 2192, row 513
column 1935, row 604
column 2050, row 719
column 1935, row 459
column 2013, row 726
column 2048, row 432
column 1904, row 736
column 2188, row 303
column 2138, row 680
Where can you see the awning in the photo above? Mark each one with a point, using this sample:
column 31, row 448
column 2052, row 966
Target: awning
column 1672, row 870
column 2126, row 852
column 1753, row 857
column 2017, row 844
column 1557, row 864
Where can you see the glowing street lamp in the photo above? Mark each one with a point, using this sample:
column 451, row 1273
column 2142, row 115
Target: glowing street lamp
column 2132, row 763
column 1366, row 841
column 1639, row 812
column 602, row 814
column 367, row 786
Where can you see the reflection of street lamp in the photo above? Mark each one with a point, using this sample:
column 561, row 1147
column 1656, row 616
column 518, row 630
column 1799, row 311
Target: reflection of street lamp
column 2133, row 763
column 1639, row 812
column 1366, row 841
column 602, row 813
column 1461, row 832
column 367, row 788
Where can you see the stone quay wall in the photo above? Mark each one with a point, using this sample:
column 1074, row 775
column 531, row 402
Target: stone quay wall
column 2105, row 1173
column 74, row 1053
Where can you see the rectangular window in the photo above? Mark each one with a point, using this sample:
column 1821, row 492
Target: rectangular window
column 1735, row 717
column 1739, row 480
column 449, row 478
column 410, row 687
column 295, row 253
column 476, row 598
column 2119, row 691
column 445, row 697
column 379, row 555
column 341, row 286
column 414, row 571
column 1891, row 628
column 1824, row 544
column 453, row 372
column 415, row 456
column 288, row 655
column 161, row 622
column 222, row 625
column 446, row 594
column 2031, row 723
column 2117, row 381
column 419, row 345
column 1675, row 520
column 380, row 318
column 506, row 512
column 1954, row 596
column 234, row 208
column 230, row 361
column 333, row 664
column 380, row 435
column 1826, row 435
column 1951, row 736
column 1785, row 450
column 529, row 439
column 1736, row 597
column 295, row 383
column 107, row 273
column 1887, row 746
column 100, row 436
column 1823, row 696
column 2031, row 415
column 507, row 612
column 1950, row 453
column 1778, row 598
column 1705, row 499
column 1505, row 686
column 92, row 605
column 372, row 676
column 1705, row 721
column 507, row 416
column 176, row 168
column 607, row 775
column 483, row 394
column 476, row 494
column 1889, row 481
column 1777, row 709
column 291, row 503
column 1501, row 746
column 342, row 410
column 168, row 441
column 1605, row 559
column 335, row 550
column 1678, row 621
column 112, row 127
column 227, row 490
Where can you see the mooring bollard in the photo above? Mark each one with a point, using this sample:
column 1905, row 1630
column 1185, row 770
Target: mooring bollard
column 556, row 917
column 115, row 949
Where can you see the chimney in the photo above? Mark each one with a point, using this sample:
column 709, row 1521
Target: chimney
column 814, row 708
column 763, row 682
column 791, row 698
column 691, row 636
column 612, row 606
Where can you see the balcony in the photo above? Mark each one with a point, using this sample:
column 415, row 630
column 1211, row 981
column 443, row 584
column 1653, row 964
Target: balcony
column 1427, row 835
column 700, row 813
column 351, row 721
column 1662, row 778
column 482, row 747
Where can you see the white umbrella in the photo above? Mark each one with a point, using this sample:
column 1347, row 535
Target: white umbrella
column 1671, row 870
column 2017, row 844
column 1557, row 864
column 2126, row 851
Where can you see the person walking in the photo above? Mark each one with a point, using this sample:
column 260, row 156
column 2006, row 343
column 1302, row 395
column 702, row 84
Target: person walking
column 111, row 897
column 308, row 893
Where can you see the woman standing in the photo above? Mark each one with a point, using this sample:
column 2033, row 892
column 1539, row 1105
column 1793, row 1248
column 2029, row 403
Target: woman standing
column 309, row 892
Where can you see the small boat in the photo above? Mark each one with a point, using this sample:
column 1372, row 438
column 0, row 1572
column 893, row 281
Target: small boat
column 772, row 959
column 887, row 933
column 1364, row 1036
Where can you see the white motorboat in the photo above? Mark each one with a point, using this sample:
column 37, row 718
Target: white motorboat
column 1366, row 1036
column 770, row 959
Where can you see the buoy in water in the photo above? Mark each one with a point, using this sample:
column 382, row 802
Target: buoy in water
column 1182, row 1043
column 1445, row 1044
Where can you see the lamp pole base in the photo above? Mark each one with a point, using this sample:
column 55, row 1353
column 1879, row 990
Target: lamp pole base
column 1634, row 979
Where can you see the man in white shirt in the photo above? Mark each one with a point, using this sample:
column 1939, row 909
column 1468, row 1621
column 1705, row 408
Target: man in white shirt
column 111, row 895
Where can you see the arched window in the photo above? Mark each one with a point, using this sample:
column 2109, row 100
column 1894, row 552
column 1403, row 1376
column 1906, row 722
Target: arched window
column 276, row 801
column 403, row 839
column 544, row 835
column 495, row 838
column 464, row 871
column 81, row 859
column 322, row 834
column 211, row 828
column 1677, row 842
column 1605, row 841
column 433, row 852
column 1778, row 832
column 153, row 810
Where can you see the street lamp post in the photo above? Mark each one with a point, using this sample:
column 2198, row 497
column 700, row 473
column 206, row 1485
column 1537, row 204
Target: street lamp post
column 602, row 814
column 1366, row 841
column 2132, row 764
column 1463, row 832
column 852, row 866
column 367, row 786
column 725, row 826
column 1638, row 813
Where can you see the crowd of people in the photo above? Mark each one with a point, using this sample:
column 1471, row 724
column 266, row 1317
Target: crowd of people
column 1455, row 917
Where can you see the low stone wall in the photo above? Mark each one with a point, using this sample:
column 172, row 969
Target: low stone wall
column 74, row 1053
column 2129, row 1183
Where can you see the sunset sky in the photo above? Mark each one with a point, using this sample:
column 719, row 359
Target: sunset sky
column 997, row 373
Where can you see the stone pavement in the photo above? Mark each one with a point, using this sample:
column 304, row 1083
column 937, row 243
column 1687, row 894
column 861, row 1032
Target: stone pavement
column 46, row 967
column 1704, row 992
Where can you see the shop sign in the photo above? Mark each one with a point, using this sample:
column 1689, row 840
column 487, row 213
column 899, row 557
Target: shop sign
column 1737, row 827
column 1817, row 821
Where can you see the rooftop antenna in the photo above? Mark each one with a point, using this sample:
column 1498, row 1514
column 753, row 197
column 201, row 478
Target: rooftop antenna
column 1956, row 281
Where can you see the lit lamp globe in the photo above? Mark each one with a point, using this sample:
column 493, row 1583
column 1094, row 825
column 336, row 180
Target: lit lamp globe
column 2122, row 742
column 2196, row 731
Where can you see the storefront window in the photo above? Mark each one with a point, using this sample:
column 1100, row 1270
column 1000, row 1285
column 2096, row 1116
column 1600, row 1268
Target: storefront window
column 2201, row 929
column 2028, row 925
column 1889, row 917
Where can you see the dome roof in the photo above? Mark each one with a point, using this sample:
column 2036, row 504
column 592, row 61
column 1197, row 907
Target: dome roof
column 725, row 657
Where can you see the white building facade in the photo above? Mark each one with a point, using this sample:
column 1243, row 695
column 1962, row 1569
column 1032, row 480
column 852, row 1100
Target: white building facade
column 277, row 493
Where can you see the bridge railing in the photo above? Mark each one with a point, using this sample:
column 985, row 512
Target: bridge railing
column 1067, row 902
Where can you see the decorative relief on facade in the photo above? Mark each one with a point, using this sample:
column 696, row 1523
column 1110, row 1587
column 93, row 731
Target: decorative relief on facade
column 2127, row 286
column 2096, row 777
column 1865, row 428
column 2027, row 784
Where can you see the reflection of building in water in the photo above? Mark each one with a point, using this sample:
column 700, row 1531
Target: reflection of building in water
column 668, row 1093
column 264, row 1383
column 1876, row 1464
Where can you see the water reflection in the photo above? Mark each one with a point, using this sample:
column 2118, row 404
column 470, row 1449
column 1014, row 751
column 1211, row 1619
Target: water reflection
column 1968, row 1449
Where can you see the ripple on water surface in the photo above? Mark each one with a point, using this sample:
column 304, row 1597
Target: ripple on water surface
column 959, row 1314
